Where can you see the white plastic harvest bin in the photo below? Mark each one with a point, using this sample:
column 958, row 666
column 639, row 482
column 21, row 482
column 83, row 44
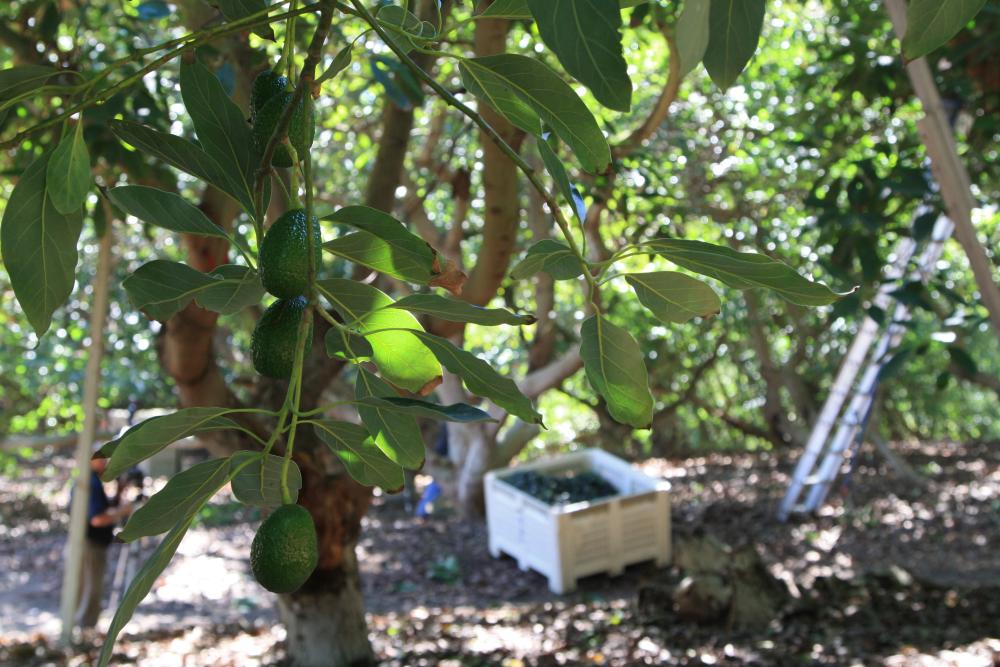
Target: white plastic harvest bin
column 567, row 542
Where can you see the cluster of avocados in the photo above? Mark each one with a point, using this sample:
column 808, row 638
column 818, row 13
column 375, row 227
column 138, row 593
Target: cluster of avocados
column 284, row 551
column 269, row 98
column 562, row 489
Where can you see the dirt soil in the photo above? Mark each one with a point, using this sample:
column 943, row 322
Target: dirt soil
column 892, row 572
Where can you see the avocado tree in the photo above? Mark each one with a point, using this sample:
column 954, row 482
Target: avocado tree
column 97, row 129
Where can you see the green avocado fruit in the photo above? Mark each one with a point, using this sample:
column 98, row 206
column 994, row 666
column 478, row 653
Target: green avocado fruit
column 265, row 86
column 284, row 551
column 301, row 127
column 284, row 255
column 272, row 346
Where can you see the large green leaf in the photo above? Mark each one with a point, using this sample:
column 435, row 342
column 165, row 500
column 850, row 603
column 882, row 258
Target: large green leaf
column 140, row 587
column 734, row 30
column 180, row 499
column 161, row 288
column 145, row 439
column 256, row 479
column 456, row 412
column 931, row 23
column 164, row 209
column 68, row 173
column 552, row 257
column 396, row 433
column 692, row 33
column 20, row 79
column 238, row 9
column 39, row 247
column 233, row 288
column 518, row 9
column 674, row 297
column 222, row 128
column 186, row 156
column 548, row 95
column 615, row 367
column 453, row 310
column 584, row 35
column 383, row 244
column 480, row 378
column 364, row 461
column 491, row 89
column 744, row 270
column 401, row 359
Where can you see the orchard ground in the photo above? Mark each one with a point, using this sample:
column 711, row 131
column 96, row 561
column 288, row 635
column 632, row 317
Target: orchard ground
column 892, row 573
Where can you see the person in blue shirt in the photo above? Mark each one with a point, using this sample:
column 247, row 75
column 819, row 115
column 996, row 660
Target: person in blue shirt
column 102, row 517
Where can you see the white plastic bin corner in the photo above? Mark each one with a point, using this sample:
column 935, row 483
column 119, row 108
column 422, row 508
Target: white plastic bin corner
column 567, row 542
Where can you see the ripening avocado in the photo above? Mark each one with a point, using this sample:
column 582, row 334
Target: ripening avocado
column 284, row 551
column 272, row 345
column 301, row 127
column 265, row 86
column 284, row 258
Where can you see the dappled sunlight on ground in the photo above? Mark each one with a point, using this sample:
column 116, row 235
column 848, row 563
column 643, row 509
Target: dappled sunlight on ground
column 889, row 574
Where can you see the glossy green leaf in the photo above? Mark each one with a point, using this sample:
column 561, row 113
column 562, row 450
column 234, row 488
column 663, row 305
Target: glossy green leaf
column 180, row 499
column 480, row 378
column 347, row 345
column 140, row 587
column 537, row 85
column 401, row 359
column 674, row 297
column 404, row 27
column 518, row 9
column 68, row 173
column 453, row 310
column 364, row 461
column 456, row 412
column 550, row 256
column 734, row 30
column 491, row 89
column 585, row 36
column 186, row 156
column 39, row 247
column 164, row 209
column 931, row 23
column 233, row 288
column 256, row 479
column 17, row 80
column 161, row 288
column 396, row 434
column 238, row 9
column 692, row 33
column 222, row 128
column 145, row 439
column 383, row 244
column 616, row 369
column 744, row 270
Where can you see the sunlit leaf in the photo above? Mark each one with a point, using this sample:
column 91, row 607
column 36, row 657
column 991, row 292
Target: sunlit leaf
column 67, row 176
column 542, row 89
column 453, row 310
column 364, row 461
column 744, row 270
column 616, row 369
column 383, row 244
column 552, row 257
column 396, row 434
column 401, row 359
column 480, row 378
column 674, row 297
